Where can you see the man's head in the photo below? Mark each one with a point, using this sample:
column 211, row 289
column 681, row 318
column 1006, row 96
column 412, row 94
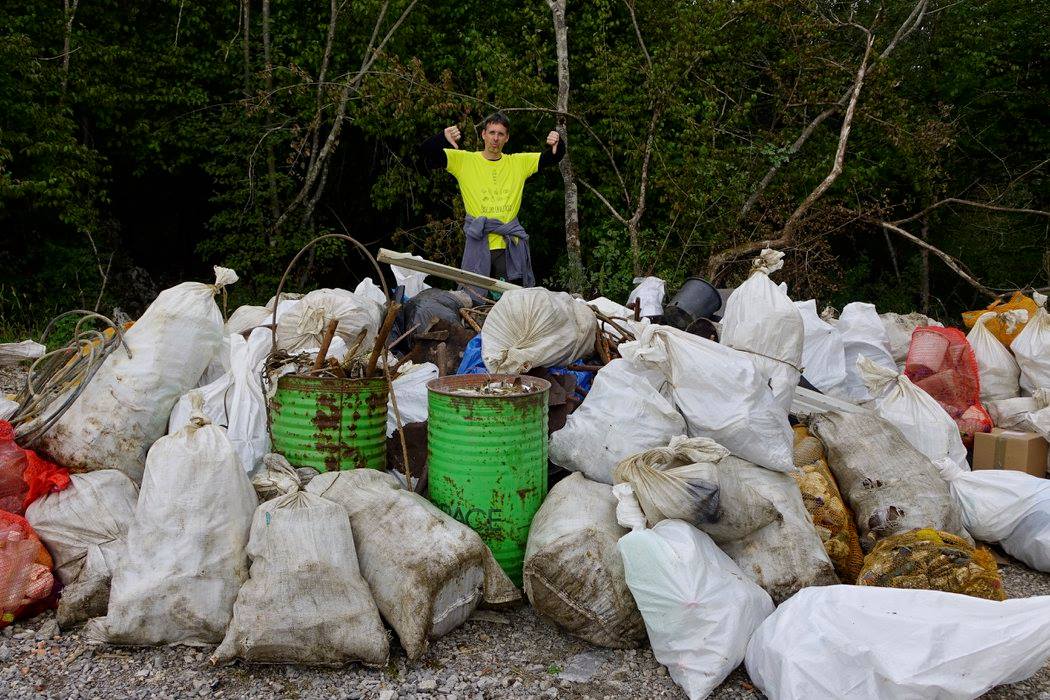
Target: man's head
column 495, row 132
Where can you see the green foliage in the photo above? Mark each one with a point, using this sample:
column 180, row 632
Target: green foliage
column 174, row 154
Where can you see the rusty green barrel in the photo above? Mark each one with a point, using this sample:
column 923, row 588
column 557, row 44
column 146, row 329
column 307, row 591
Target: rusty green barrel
column 330, row 424
column 488, row 459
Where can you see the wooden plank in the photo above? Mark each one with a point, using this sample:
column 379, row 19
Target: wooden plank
column 446, row 272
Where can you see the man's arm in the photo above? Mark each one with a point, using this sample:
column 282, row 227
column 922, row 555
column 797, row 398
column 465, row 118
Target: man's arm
column 555, row 154
column 433, row 149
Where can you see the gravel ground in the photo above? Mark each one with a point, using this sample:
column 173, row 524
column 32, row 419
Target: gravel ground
column 512, row 654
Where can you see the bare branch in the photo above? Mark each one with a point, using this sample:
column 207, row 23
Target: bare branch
column 840, row 152
column 601, row 198
column 952, row 262
column 337, row 126
column 903, row 32
column 638, row 33
column 970, row 203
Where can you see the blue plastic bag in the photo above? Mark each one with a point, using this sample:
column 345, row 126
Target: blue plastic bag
column 473, row 364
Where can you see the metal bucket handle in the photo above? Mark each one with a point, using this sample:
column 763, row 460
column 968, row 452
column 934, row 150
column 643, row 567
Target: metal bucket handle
column 284, row 277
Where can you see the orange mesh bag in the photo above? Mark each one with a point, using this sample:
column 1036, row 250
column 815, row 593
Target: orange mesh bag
column 998, row 326
column 13, row 462
column 932, row 560
column 831, row 517
column 26, row 582
column 941, row 363
column 42, row 477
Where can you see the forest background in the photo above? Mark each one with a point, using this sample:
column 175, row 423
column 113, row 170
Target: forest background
column 898, row 151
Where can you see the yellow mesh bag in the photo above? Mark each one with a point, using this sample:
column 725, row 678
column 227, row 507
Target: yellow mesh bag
column 830, row 515
column 932, row 560
column 997, row 325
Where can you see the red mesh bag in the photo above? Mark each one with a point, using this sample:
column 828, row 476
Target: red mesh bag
column 941, row 362
column 42, row 477
column 13, row 463
column 26, row 582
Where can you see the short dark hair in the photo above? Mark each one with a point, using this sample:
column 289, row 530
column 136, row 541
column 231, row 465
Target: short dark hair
column 496, row 118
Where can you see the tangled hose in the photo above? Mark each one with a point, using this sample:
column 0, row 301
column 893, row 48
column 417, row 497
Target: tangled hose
column 56, row 379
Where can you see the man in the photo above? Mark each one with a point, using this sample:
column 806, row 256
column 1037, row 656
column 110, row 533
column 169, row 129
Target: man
column 491, row 183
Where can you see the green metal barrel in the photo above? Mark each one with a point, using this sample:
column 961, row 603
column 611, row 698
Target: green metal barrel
column 488, row 459
column 330, row 424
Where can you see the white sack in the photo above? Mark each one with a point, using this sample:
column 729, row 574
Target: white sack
column 862, row 335
column 245, row 318
column 84, row 527
column 1013, row 414
column 410, row 390
column 760, row 318
column 650, row 292
column 997, row 367
column 896, row 644
column 995, row 502
column 368, row 289
column 1031, row 347
column 628, row 410
column 125, row 408
column 216, row 400
column 573, row 573
column 304, row 324
column 412, row 279
column 699, row 608
column 277, row 478
column 922, row 421
column 7, row 407
column 536, row 328
column 304, row 600
column 823, row 354
column 427, row 571
column 890, row 486
column 899, row 328
column 185, row 559
column 719, row 392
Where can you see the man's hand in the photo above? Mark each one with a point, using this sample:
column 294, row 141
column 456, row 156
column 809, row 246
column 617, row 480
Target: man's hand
column 552, row 140
column 452, row 135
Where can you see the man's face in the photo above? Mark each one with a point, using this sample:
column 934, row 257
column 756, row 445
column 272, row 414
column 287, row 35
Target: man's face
column 495, row 137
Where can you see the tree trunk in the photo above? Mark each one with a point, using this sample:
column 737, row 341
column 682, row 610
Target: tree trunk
column 67, row 35
column 572, row 215
column 271, row 159
column 246, row 46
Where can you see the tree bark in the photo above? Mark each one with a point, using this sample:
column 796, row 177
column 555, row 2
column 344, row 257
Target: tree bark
column 67, row 36
column 271, row 159
column 246, row 16
column 572, row 214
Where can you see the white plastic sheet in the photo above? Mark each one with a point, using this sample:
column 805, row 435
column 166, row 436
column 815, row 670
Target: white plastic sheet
column 410, row 390
column 719, row 392
column 1031, row 347
column 823, row 354
column 874, row 643
column 536, row 327
column 412, row 279
column 126, row 406
column 699, row 608
column 185, row 558
column 924, row 423
column 863, row 335
column 650, row 293
column 368, row 289
column 996, row 365
column 995, row 502
column 628, row 410
column 762, row 320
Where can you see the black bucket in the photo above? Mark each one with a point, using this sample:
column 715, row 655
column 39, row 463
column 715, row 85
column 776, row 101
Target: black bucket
column 697, row 299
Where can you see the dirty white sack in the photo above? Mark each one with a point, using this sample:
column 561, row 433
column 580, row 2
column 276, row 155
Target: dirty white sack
column 427, row 571
column 535, row 327
column 305, row 600
column 996, row 365
column 823, row 354
column 185, row 560
column 303, row 326
column 761, row 319
column 862, row 335
column 720, row 393
column 573, row 573
column 125, row 408
column 650, row 293
column 410, row 391
column 628, row 410
column 1031, row 347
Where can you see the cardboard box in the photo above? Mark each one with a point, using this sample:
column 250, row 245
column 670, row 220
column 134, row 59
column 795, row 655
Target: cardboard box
column 1010, row 449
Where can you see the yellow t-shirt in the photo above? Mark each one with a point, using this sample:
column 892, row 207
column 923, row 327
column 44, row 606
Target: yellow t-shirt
column 492, row 188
